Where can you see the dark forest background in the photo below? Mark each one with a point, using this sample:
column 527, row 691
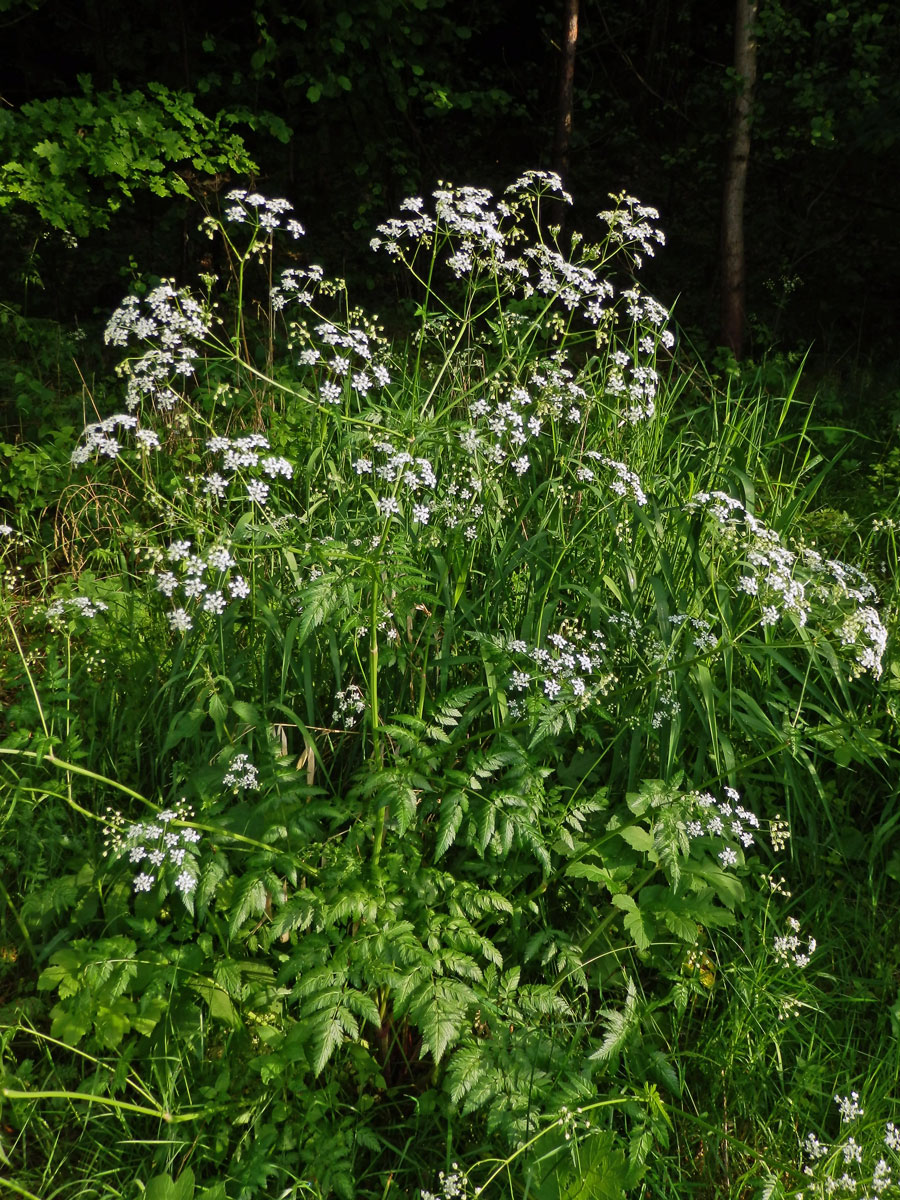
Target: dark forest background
column 110, row 112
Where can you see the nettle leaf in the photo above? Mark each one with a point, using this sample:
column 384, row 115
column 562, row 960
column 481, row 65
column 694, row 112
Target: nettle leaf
column 727, row 887
column 227, row 976
column 678, row 922
column 641, row 929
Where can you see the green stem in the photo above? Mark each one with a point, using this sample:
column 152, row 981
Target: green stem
column 114, row 783
column 373, row 713
column 122, row 1105
column 523, row 1149
column 31, row 683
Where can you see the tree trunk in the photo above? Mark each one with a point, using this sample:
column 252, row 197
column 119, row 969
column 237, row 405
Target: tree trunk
column 733, row 257
column 563, row 134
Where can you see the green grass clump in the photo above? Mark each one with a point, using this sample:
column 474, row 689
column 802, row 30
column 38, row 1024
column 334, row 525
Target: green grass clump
column 398, row 778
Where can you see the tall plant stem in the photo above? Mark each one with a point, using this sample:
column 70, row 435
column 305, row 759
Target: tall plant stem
column 380, row 815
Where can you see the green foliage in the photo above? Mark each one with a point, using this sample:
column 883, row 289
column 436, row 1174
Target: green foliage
column 75, row 159
column 418, row 735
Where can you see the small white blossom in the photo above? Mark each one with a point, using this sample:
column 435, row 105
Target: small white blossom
column 180, row 620
column 258, row 492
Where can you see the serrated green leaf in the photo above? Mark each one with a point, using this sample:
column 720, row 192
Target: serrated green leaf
column 248, row 900
column 637, row 837
column 642, row 930
column 448, row 823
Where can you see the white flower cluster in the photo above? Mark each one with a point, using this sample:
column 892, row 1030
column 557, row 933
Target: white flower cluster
column 201, row 581
column 850, row 1108
column 297, row 285
column 250, row 208
column 486, row 238
column 636, row 645
column 631, row 224
column 241, row 774
column 849, row 1167
column 452, row 1185
column 629, row 381
column 406, row 474
column 156, row 847
column 343, row 358
column 788, row 583
column 174, row 322
column 99, row 440
column 244, row 458
column 791, row 949
column 559, row 396
column 726, row 822
column 79, row 606
column 6, row 531
column 625, row 483
column 349, row 705
column 505, row 427
column 570, row 671
column 699, row 630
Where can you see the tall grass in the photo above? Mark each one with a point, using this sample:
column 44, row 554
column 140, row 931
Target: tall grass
column 402, row 776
